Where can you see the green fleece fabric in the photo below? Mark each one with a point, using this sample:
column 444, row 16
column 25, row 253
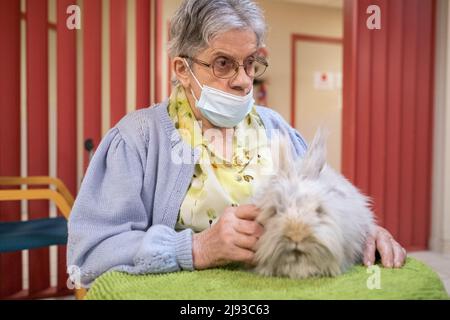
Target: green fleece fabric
column 414, row 281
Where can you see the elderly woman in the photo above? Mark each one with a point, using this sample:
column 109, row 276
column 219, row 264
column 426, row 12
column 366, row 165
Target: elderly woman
column 162, row 195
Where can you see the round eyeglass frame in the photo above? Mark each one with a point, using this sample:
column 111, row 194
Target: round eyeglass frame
column 260, row 60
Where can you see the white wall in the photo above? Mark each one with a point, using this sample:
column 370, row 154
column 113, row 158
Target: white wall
column 440, row 227
column 283, row 20
column 317, row 107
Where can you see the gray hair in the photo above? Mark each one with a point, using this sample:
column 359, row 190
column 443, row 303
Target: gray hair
column 197, row 22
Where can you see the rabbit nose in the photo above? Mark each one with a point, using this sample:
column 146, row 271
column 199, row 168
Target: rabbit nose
column 297, row 231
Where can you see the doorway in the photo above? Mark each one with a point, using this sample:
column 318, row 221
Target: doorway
column 317, row 90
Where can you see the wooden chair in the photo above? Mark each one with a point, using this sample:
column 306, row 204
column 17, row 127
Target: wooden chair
column 22, row 235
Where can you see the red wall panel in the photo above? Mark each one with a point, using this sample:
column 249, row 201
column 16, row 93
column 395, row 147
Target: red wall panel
column 424, row 122
column 67, row 115
column 92, row 69
column 10, row 263
column 388, row 107
column 37, row 126
column 377, row 116
column 364, row 60
column 142, row 53
column 393, row 116
column 118, row 43
column 37, row 27
column 158, row 50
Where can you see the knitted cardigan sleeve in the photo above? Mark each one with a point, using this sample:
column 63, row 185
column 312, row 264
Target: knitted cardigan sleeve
column 109, row 227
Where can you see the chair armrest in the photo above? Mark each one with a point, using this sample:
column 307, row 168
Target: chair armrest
column 60, row 186
column 37, row 194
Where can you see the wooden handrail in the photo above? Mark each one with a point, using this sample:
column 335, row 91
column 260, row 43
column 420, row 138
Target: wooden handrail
column 37, row 194
column 62, row 198
column 39, row 180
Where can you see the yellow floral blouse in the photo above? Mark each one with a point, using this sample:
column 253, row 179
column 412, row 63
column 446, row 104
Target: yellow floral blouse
column 219, row 181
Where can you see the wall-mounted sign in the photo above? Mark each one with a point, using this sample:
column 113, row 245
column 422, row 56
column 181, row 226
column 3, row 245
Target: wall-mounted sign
column 327, row 80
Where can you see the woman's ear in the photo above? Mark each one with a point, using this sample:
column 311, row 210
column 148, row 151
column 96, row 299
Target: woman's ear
column 181, row 71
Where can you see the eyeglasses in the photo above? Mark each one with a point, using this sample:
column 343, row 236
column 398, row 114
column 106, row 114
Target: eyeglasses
column 225, row 67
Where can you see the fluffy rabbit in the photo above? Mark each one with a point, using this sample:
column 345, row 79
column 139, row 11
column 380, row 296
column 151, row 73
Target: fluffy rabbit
column 316, row 222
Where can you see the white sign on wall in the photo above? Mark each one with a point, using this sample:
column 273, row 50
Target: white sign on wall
column 327, row 80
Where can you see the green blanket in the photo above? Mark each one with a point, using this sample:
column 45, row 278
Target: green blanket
column 414, row 281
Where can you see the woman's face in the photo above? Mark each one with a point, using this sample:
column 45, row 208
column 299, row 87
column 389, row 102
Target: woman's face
column 235, row 44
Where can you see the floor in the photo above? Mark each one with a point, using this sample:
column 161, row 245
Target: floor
column 438, row 262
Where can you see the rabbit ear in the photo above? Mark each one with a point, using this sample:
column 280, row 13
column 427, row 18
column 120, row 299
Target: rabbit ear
column 282, row 153
column 315, row 159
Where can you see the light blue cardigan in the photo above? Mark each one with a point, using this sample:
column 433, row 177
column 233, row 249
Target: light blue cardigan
column 125, row 212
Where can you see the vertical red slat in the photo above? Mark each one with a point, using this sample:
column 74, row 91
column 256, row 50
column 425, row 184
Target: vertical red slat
column 67, row 129
column 118, row 59
column 92, row 31
column 389, row 73
column 37, row 124
column 378, row 115
column 363, row 104
column 10, row 263
column 158, row 49
column 423, row 125
column 351, row 39
column 408, row 119
column 393, row 116
column 142, row 53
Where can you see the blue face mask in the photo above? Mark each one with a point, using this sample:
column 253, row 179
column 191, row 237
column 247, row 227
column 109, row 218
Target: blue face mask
column 222, row 109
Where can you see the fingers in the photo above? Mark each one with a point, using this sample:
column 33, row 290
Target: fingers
column 399, row 254
column 250, row 228
column 384, row 246
column 245, row 242
column 391, row 252
column 369, row 251
column 244, row 255
column 247, row 212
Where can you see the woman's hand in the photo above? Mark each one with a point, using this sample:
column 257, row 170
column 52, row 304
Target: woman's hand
column 391, row 252
column 232, row 238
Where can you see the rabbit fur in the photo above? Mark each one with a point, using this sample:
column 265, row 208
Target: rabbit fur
column 316, row 222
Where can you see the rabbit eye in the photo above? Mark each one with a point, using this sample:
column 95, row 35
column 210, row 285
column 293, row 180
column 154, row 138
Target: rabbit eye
column 320, row 211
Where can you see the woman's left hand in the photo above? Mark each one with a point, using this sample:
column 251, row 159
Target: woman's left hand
column 391, row 252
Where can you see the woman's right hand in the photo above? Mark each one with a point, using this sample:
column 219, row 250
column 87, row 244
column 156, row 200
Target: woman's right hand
column 231, row 239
